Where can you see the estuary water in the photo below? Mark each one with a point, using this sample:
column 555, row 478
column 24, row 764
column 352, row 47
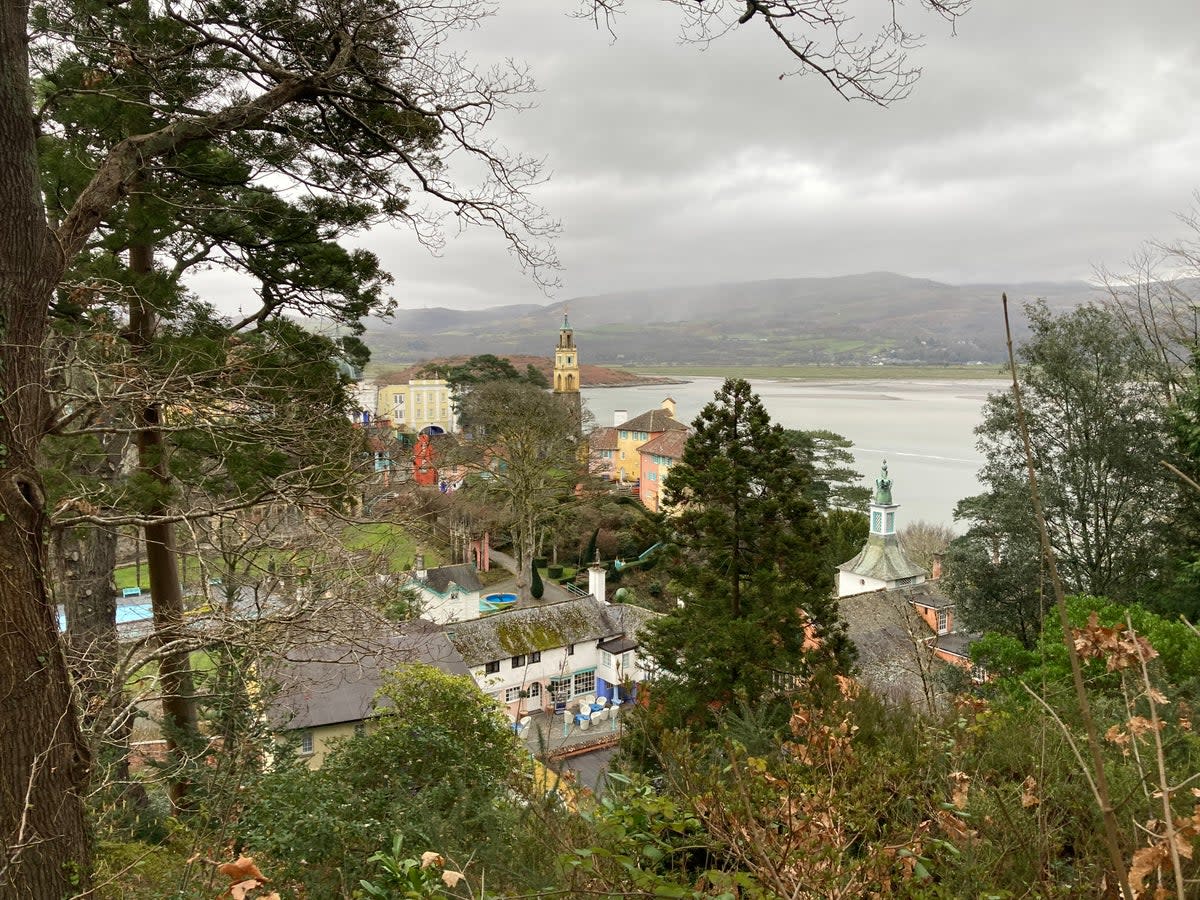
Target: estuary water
column 925, row 429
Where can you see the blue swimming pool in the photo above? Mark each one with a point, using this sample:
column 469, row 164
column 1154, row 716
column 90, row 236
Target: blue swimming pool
column 496, row 602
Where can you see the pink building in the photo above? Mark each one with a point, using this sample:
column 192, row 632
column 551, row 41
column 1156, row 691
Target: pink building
column 657, row 457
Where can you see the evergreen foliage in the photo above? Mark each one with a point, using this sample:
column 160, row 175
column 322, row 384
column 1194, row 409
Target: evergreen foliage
column 753, row 572
column 1099, row 433
column 835, row 484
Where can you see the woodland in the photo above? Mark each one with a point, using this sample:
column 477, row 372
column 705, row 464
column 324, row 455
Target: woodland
column 148, row 140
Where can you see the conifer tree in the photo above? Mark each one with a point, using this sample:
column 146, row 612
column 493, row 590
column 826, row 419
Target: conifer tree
column 753, row 577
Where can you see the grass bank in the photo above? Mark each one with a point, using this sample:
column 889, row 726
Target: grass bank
column 828, row 373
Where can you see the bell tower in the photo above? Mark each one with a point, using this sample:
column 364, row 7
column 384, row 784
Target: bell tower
column 566, row 370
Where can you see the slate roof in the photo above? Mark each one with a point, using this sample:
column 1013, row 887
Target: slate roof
column 957, row 643
column 890, row 638
column 604, row 438
column 517, row 631
column 669, row 443
column 464, row 575
column 652, row 421
column 927, row 593
column 332, row 684
column 882, row 557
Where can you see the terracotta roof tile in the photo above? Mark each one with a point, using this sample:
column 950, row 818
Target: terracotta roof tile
column 669, row 443
column 603, row 439
column 653, row 421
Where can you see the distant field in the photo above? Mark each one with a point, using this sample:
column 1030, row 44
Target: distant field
column 827, row 373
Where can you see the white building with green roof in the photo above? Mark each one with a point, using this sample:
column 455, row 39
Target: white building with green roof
column 882, row 563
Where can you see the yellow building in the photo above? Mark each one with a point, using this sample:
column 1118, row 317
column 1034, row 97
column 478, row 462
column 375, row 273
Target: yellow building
column 637, row 431
column 566, row 370
column 422, row 403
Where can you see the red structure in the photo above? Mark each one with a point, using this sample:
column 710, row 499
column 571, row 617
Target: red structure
column 424, row 471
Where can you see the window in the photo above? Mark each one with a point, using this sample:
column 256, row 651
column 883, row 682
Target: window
column 622, row 454
column 653, row 476
column 306, row 743
column 518, row 661
column 535, row 689
column 627, row 661
column 876, row 521
column 891, row 522
column 585, row 682
column 570, row 649
column 560, row 689
column 606, row 658
column 624, row 435
column 535, row 656
column 943, row 620
column 360, row 728
column 512, row 695
column 492, row 668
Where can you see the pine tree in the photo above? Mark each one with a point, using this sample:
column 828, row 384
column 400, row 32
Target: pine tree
column 753, row 576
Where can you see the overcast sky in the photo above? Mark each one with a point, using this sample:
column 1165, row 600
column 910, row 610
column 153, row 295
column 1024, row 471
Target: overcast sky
column 1045, row 138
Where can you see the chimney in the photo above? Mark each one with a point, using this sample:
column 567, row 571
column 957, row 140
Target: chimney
column 937, row 565
column 669, row 405
column 419, row 570
column 596, row 578
column 620, row 417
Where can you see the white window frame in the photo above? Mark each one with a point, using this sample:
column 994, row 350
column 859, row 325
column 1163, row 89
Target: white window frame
column 576, row 690
column 512, row 694
column 308, row 743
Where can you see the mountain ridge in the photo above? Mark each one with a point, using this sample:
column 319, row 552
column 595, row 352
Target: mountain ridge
column 866, row 317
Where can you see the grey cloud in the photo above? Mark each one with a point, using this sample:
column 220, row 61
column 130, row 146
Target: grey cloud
column 1044, row 138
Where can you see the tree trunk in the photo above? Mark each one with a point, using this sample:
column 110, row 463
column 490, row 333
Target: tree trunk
column 84, row 558
column 180, row 718
column 44, row 843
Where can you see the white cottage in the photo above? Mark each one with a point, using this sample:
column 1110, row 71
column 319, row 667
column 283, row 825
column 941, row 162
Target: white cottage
column 447, row 593
column 543, row 657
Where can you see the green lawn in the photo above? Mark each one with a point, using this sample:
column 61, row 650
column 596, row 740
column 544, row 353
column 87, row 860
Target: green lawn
column 127, row 576
column 395, row 544
column 827, row 373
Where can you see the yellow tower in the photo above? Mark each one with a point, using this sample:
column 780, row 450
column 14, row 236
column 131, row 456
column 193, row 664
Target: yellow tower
column 566, row 370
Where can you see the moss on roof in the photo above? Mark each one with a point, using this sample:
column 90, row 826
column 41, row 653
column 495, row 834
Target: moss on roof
column 538, row 628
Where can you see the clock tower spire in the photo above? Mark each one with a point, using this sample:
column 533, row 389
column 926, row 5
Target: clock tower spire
column 566, row 370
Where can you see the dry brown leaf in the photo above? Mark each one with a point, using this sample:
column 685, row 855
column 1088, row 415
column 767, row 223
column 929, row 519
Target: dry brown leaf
column 954, row 827
column 452, row 878
column 431, row 858
column 1115, row 735
column 242, row 888
column 1146, row 861
column 1028, row 797
column 960, row 783
column 242, row 869
column 1139, row 725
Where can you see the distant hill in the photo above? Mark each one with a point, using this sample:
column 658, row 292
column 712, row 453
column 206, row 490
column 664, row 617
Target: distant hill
column 871, row 317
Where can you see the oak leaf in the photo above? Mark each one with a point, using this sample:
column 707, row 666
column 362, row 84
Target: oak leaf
column 1028, row 797
column 1146, row 860
column 242, row 869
